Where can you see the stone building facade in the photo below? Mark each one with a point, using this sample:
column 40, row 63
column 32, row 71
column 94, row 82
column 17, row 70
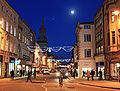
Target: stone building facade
column 85, row 44
column 107, row 39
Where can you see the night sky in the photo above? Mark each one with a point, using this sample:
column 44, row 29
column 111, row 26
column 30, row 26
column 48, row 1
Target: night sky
column 59, row 22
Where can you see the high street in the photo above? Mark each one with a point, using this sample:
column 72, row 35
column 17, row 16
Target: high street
column 49, row 83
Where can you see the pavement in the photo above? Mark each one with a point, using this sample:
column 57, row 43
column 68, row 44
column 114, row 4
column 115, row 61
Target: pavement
column 98, row 83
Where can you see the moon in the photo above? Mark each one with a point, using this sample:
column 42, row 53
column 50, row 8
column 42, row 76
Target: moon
column 72, row 12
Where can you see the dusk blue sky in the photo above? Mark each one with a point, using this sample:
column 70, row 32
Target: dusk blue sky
column 60, row 24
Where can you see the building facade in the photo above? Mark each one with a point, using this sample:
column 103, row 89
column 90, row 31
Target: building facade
column 13, row 50
column 85, row 44
column 107, row 38
column 26, row 38
column 8, row 38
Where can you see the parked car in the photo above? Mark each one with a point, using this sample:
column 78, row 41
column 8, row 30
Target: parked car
column 46, row 72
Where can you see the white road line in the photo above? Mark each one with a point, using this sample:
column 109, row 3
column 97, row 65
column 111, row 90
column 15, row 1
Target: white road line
column 43, row 86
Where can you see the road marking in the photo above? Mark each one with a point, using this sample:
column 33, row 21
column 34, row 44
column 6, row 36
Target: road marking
column 43, row 86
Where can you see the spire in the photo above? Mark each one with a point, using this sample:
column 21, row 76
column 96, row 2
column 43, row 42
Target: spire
column 42, row 40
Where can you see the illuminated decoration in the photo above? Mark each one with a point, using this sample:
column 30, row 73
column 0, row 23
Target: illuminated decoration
column 67, row 48
column 56, row 49
column 60, row 60
column 50, row 49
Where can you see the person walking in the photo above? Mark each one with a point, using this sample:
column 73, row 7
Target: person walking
column 21, row 73
column 29, row 76
column 92, row 74
column 34, row 73
column 83, row 74
column 12, row 74
column 74, row 73
column 88, row 74
column 100, row 75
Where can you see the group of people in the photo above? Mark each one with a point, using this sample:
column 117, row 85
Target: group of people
column 29, row 74
column 91, row 74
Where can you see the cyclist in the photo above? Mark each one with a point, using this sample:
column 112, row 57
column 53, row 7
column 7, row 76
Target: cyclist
column 61, row 79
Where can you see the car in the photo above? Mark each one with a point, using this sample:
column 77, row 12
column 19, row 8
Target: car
column 46, row 72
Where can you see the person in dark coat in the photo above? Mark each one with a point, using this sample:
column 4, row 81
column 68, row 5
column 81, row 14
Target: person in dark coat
column 34, row 73
column 83, row 74
column 20, row 72
column 29, row 76
column 92, row 74
column 100, row 75
column 12, row 74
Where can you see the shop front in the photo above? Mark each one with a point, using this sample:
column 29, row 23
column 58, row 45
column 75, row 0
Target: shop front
column 11, row 64
column 1, row 60
column 115, row 68
column 100, row 66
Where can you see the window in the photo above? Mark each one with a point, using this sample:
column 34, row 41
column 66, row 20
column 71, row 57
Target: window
column 87, row 52
column 1, row 23
column 87, row 37
column 19, row 36
column 31, row 39
column 11, row 29
column 113, row 37
column 7, row 25
column 87, row 27
column 14, row 31
column 113, row 17
column 23, row 39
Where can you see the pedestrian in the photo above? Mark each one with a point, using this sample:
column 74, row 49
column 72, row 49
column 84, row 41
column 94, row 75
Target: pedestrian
column 12, row 74
column 34, row 73
column 100, row 75
column 88, row 74
column 29, row 76
column 21, row 73
column 74, row 73
column 83, row 74
column 92, row 74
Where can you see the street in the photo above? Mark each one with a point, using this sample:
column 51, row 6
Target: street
column 47, row 83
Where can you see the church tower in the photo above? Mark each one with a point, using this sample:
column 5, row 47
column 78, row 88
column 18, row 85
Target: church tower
column 42, row 40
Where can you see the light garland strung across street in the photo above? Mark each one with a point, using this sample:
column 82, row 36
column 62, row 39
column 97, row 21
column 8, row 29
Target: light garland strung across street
column 54, row 49
column 60, row 60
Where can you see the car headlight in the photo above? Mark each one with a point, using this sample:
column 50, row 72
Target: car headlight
column 66, row 74
column 58, row 74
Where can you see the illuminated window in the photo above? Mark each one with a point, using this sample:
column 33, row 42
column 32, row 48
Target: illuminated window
column 1, row 23
column 113, row 17
column 113, row 37
column 14, row 31
column 19, row 36
column 11, row 31
column 7, row 25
